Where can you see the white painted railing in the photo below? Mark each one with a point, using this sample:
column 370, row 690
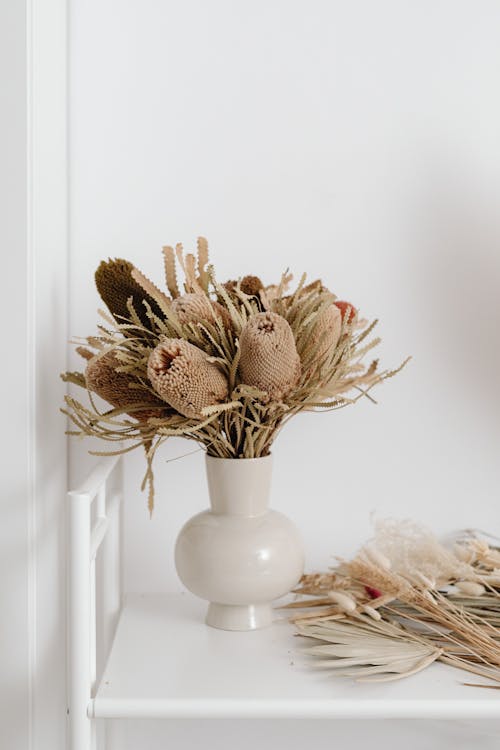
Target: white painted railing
column 94, row 602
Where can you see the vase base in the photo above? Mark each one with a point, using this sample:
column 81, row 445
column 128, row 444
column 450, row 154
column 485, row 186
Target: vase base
column 239, row 617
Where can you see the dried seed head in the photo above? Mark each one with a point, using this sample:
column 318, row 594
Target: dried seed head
column 251, row 285
column 102, row 378
column 268, row 355
column 198, row 308
column 470, row 588
column 345, row 602
column 185, row 378
column 371, row 612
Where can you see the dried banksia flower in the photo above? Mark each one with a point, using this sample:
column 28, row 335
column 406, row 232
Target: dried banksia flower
column 185, row 378
column 198, row 308
column 326, row 332
column 268, row 355
column 102, row 378
column 250, row 285
column 116, row 285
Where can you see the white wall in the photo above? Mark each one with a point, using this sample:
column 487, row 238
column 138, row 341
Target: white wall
column 33, row 445
column 14, row 629
column 358, row 141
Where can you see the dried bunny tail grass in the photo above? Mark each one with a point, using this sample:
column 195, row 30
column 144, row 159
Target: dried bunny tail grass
column 268, row 356
column 103, row 378
column 198, row 308
column 185, row 378
column 478, row 552
column 116, row 286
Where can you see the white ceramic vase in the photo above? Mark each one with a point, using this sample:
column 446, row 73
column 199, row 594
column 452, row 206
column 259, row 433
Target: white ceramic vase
column 239, row 555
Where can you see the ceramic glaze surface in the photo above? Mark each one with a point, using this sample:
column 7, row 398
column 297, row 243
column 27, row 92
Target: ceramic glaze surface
column 239, row 554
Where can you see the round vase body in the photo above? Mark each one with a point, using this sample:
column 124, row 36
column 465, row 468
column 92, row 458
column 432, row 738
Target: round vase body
column 239, row 555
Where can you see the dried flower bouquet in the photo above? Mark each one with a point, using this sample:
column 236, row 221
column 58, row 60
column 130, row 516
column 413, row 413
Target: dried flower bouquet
column 225, row 365
column 404, row 602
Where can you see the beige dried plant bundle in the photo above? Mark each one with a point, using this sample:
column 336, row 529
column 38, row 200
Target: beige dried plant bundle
column 403, row 589
column 231, row 363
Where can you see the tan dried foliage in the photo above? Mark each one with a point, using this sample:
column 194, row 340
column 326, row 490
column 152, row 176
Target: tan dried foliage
column 462, row 630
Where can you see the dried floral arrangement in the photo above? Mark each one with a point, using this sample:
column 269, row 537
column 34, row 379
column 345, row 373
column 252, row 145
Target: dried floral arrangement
column 404, row 602
column 226, row 365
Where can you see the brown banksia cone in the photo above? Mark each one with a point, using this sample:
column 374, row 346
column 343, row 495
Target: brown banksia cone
column 114, row 387
column 268, row 356
column 250, row 285
column 184, row 377
column 198, row 308
column 326, row 332
column 115, row 284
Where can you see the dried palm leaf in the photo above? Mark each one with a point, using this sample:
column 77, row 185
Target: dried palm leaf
column 368, row 651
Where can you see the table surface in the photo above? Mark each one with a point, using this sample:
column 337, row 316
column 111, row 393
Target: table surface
column 165, row 663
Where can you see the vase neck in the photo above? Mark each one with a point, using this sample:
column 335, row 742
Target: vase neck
column 239, row 486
